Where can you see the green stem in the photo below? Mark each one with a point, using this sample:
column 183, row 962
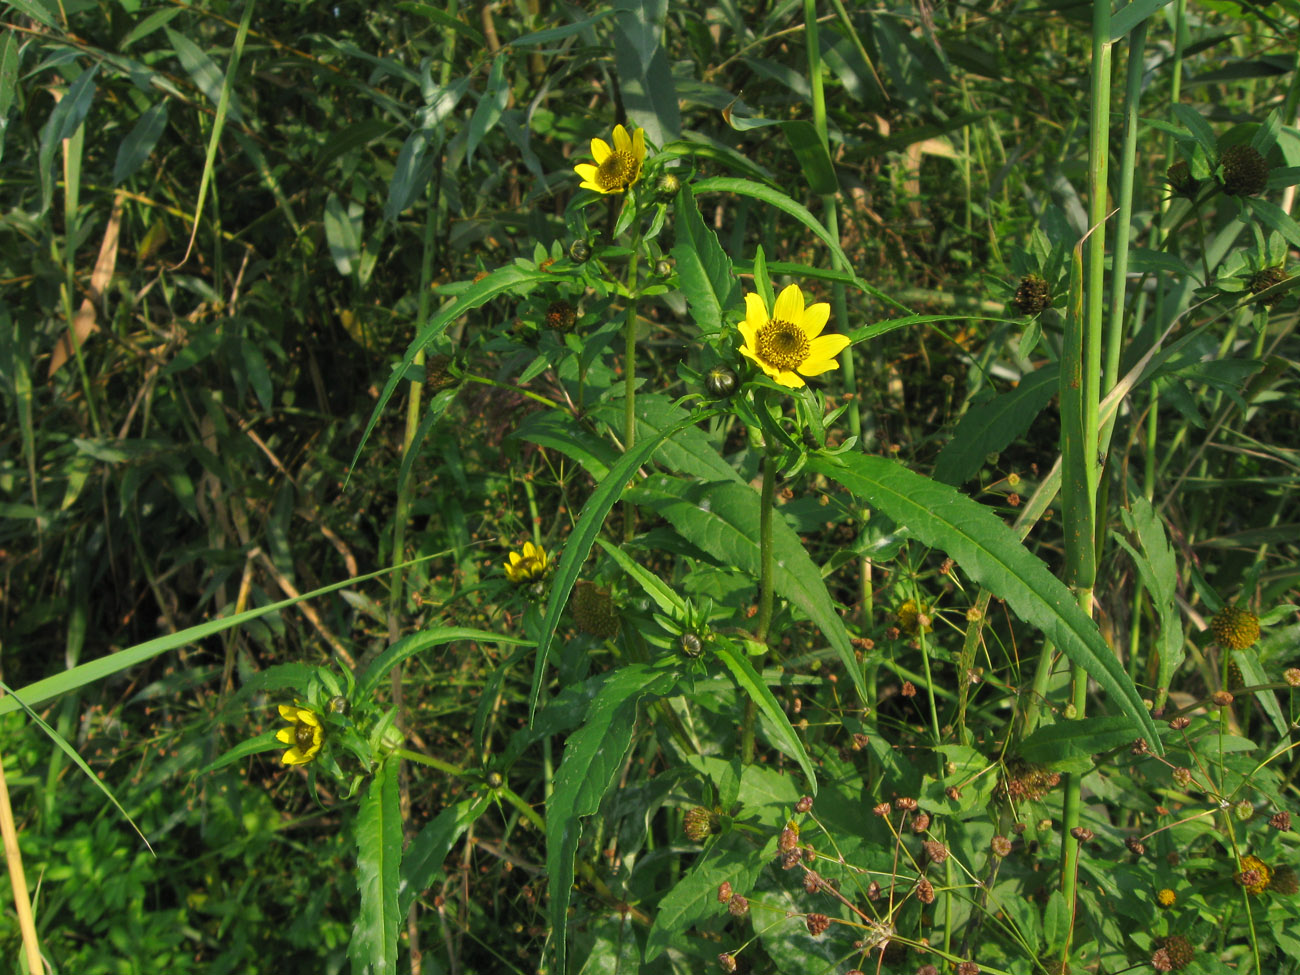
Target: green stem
column 1081, row 397
column 765, row 548
column 629, row 375
column 765, row 560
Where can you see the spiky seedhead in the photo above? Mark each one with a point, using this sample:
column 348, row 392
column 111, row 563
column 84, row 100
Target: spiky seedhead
column 1032, row 295
column 1245, row 171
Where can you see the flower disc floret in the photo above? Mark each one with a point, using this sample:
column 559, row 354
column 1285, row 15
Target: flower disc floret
column 304, row 735
column 617, row 167
column 788, row 344
column 528, row 565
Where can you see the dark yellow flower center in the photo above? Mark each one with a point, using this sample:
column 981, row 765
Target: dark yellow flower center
column 782, row 344
column 617, row 172
column 304, row 737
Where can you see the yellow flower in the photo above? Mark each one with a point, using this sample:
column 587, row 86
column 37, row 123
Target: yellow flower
column 618, row 168
column 528, row 565
column 1166, row 897
column 909, row 618
column 789, row 343
column 1254, row 875
column 304, row 735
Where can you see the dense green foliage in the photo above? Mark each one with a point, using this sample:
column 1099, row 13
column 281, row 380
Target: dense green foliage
column 447, row 568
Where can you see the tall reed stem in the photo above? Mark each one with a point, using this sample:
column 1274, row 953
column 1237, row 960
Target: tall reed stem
column 1080, row 402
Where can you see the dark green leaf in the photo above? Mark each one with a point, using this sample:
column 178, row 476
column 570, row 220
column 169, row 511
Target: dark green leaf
column 139, row 142
column 418, row 642
column 424, row 857
column 695, row 897
column 722, row 519
column 66, row 118
column 512, row 277
column 593, row 758
column 1075, row 742
column 1129, row 16
column 703, row 269
column 583, row 537
column 991, row 554
column 784, row 736
column 378, row 827
column 991, row 426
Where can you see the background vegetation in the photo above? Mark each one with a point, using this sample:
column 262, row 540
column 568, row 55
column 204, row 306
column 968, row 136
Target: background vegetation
column 305, row 296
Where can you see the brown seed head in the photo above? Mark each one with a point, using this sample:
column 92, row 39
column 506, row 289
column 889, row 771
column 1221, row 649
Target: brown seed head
column 924, row 891
column 935, row 851
column 1001, row 846
column 738, row 906
column 817, row 924
column 1032, row 295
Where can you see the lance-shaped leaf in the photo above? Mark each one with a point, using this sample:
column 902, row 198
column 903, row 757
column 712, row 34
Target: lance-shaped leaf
column 991, row 554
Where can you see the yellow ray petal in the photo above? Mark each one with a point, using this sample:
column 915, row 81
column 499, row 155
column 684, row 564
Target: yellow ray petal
column 815, row 318
column 789, row 305
column 600, row 150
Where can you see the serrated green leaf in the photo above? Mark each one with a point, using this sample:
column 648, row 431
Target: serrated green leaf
column 378, row 827
column 1056, row 922
column 695, row 897
column 722, row 519
column 1068, row 741
column 663, row 594
column 424, row 857
column 703, row 268
column 583, row 537
column 752, row 684
column 1158, row 569
column 1275, row 218
column 689, row 451
column 991, row 554
column 990, row 427
column 562, row 432
column 593, row 759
